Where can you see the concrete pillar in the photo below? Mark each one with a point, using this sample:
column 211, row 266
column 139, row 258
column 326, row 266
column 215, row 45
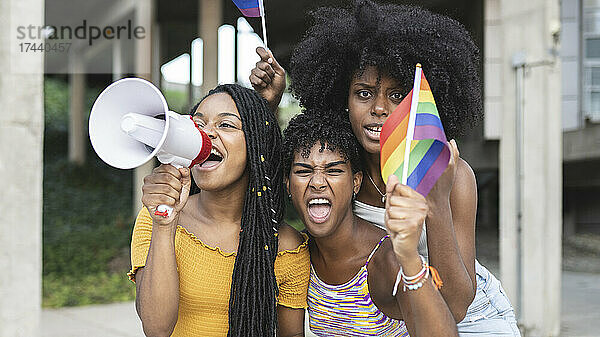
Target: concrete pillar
column 21, row 169
column 156, row 54
column 77, row 127
column 492, row 67
column 118, row 61
column 570, row 55
column 209, row 20
column 497, row 71
column 145, row 17
column 530, row 247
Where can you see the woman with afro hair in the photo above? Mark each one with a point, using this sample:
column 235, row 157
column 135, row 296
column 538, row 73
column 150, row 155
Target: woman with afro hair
column 360, row 62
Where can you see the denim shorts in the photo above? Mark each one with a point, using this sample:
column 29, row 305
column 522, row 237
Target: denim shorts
column 491, row 313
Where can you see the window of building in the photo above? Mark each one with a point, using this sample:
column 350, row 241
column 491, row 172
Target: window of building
column 591, row 60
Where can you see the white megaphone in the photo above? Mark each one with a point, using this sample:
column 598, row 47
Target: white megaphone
column 130, row 123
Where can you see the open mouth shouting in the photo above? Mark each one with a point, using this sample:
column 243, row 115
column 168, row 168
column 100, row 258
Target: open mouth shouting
column 213, row 160
column 319, row 209
column 373, row 131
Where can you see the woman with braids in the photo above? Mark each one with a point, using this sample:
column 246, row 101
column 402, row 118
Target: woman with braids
column 223, row 264
column 360, row 62
column 355, row 265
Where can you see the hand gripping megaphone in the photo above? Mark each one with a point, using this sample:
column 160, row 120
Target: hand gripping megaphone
column 130, row 123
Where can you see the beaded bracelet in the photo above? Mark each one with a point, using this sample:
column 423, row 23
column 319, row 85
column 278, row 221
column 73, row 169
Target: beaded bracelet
column 415, row 282
column 400, row 276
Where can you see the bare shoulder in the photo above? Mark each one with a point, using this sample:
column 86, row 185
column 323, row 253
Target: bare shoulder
column 465, row 184
column 384, row 262
column 289, row 237
column 382, row 271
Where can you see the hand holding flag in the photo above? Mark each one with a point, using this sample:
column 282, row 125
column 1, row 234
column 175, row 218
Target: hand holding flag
column 268, row 78
column 413, row 142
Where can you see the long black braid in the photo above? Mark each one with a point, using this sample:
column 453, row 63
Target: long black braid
column 252, row 303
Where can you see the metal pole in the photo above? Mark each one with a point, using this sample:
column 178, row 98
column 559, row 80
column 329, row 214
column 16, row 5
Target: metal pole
column 519, row 67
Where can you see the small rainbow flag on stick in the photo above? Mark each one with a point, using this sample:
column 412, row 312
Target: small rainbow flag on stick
column 413, row 143
column 254, row 9
column 250, row 8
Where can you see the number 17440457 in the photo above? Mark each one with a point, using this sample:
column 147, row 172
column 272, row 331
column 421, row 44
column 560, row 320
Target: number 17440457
column 58, row 47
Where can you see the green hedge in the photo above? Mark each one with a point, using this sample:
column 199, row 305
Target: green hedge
column 87, row 219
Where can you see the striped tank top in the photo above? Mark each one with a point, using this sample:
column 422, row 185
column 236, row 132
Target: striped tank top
column 347, row 310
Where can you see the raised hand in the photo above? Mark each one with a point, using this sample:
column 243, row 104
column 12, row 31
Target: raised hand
column 166, row 185
column 405, row 212
column 268, row 78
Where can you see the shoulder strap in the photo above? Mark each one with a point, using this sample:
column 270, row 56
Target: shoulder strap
column 375, row 249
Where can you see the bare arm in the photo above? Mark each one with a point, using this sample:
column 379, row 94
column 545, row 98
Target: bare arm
column 451, row 234
column 268, row 78
column 290, row 322
column 157, row 284
column 423, row 309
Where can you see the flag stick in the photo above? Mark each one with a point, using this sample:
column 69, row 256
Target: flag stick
column 264, row 26
column 410, row 131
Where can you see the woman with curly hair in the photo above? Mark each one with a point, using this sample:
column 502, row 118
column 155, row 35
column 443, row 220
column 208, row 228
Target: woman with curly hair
column 355, row 265
column 361, row 61
column 223, row 263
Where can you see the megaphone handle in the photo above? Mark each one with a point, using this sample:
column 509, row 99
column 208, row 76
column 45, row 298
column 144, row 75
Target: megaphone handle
column 163, row 210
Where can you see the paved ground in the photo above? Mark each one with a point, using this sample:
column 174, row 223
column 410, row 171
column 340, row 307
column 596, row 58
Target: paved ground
column 580, row 307
column 580, row 304
column 109, row 320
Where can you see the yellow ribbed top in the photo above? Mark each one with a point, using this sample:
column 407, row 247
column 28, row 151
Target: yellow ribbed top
column 205, row 278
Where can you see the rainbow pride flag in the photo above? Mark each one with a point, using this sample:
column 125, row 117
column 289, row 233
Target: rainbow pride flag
column 413, row 143
column 249, row 8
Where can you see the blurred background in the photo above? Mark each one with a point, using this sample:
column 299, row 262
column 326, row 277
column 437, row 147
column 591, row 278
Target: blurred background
column 64, row 239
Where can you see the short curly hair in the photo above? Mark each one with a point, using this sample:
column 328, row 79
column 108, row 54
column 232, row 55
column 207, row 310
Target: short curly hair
column 333, row 133
column 393, row 38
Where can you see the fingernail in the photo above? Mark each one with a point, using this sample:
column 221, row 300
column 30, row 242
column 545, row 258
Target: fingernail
column 270, row 60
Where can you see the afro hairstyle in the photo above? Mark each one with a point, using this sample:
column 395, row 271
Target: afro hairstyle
column 393, row 38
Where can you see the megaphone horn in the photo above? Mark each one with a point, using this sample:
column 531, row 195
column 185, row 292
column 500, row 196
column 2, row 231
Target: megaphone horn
column 125, row 132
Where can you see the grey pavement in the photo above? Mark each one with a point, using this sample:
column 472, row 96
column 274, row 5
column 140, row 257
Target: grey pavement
column 580, row 314
column 105, row 320
column 580, row 305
